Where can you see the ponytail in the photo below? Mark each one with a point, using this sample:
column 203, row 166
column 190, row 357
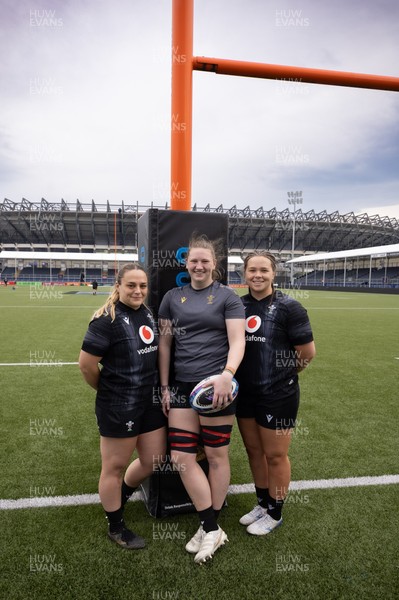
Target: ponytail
column 109, row 307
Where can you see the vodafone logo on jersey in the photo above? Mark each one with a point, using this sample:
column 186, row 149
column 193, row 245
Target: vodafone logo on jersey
column 146, row 334
column 252, row 323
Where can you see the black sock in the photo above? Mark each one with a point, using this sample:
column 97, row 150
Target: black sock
column 127, row 491
column 115, row 520
column 274, row 508
column 217, row 513
column 262, row 495
column 208, row 520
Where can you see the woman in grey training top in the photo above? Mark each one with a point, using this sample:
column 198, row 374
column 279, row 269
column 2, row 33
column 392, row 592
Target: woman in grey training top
column 206, row 320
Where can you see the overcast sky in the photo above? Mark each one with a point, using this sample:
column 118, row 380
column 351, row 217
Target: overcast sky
column 85, row 104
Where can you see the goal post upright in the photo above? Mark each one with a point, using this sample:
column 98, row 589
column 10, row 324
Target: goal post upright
column 181, row 108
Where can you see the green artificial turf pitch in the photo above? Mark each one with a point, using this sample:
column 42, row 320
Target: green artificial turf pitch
column 334, row 543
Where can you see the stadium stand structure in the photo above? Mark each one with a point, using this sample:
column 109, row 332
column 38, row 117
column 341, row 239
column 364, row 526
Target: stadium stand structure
column 354, row 277
column 94, row 228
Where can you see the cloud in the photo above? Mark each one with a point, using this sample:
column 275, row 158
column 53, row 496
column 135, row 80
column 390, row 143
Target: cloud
column 86, row 108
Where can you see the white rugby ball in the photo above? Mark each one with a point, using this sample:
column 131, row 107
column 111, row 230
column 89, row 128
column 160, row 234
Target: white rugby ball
column 201, row 397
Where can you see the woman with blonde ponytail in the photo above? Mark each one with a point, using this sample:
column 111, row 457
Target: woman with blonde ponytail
column 109, row 307
column 122, row 338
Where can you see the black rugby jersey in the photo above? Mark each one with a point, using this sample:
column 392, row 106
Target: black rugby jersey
column 129, row 347
column 273, row 327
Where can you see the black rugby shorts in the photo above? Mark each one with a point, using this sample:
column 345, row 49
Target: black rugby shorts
column 129, row 419
column 268, row 412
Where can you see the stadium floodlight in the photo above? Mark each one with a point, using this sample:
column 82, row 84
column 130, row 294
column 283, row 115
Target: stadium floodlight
column 294, row 198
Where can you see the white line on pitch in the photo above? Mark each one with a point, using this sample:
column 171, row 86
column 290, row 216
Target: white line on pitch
column 44, row 306
column 67, row 307
column 247, row 488
column 42, row 364
column 320, row 484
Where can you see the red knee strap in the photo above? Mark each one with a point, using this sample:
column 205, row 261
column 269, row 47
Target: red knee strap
column 216, row 436
column 182, row 440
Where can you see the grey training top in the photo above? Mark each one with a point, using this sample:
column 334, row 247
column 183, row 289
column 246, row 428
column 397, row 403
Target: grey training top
column 198, row 320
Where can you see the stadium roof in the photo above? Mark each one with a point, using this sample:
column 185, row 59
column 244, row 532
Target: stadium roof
column 107, row 227
column 375, row 251
column 92, row 256
column 82, row 256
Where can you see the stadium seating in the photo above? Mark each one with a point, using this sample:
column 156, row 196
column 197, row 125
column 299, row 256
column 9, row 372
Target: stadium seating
column 235, row 278
column 353, row 278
